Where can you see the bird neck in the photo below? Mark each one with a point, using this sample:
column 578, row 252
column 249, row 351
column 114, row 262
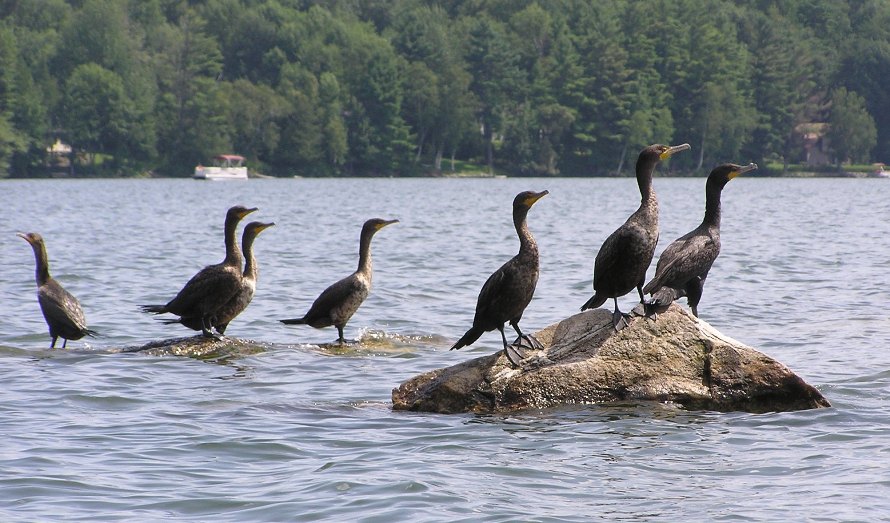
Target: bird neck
column 364, row 252
column 712, row 206
column 250, row 266
column 233, row 252
column 527, row 242
column 41, row 273
column 644, row 170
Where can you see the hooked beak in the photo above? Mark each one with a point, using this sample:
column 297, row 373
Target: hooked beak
column 674, row 150
column 535, row 197
column 742, row 170
column 388, row 222
column 245, row 212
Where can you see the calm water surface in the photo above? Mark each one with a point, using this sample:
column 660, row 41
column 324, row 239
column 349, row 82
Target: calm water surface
column 304, row 432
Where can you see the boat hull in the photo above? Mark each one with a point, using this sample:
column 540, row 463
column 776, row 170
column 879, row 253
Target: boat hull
column 220, row 173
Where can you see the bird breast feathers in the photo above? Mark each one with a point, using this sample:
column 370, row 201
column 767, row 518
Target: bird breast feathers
column 686, row 259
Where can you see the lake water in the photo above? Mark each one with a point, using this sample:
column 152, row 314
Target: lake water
column 301, row 432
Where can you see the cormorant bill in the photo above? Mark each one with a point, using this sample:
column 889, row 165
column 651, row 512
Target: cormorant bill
column 622, row 260
column 214, row 285
column 683, row 267
column 336, row 304
column 61, row 310
column 235, row 306
column 509, row 290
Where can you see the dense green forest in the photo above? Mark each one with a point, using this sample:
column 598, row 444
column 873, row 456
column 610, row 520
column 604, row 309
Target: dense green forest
column 406, row 87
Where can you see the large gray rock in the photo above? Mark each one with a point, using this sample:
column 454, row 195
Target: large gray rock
column 676, row 358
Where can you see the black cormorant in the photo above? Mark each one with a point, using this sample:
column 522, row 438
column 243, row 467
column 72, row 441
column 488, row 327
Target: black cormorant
column 509, row 290
column 214, row 285
column 61, row 309
column 683, row 267
column 235, row 306
column 340, row 301
column 622, row 261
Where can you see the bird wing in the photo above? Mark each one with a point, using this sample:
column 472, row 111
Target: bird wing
column 206, row 291
column 687, row 257
column 236, row 304
column 60, row 308
column 503, row 297
column 337, row 303
column 613, row 254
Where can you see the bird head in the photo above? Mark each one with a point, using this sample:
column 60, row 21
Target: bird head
column 375, row 224
column 255, row 228
column 721, row 174
column 238, row 212
column 526, row 199
column 31, row 237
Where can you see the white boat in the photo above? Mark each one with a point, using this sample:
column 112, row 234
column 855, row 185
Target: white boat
column 225, row 167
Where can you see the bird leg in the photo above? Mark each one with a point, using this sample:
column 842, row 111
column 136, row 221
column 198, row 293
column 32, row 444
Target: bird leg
column 340, row 340
column 53, row 344
column 514, row 353
column 205, row 328
column 650, row 309
column 619, row 319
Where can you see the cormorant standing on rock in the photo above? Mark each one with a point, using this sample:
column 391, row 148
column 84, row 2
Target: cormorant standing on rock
column 683, row 267
column 214, row 285
column 336, row 304
column 509, row 290
column 61, row 310
column 622, row 261
column 235, row 306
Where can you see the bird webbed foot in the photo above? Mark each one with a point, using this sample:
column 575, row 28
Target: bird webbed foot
column 652, row 308
column 528, row 341
column 515, row 354
column 620, row 320
column 207, row 333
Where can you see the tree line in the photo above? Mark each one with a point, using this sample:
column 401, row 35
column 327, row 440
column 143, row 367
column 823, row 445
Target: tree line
column 407, row 87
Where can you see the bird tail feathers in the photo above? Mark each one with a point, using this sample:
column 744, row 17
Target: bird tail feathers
column 467, row 339
column 661, row 300
column 154, row 309
column 594, row 302
column 294, row 321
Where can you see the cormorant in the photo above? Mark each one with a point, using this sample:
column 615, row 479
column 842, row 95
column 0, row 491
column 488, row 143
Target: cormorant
column 214, row 285
column 338, row 303
column 235, row 306
column 622, row 261
column 61, row 310
column 683, row 267
column 509, row 290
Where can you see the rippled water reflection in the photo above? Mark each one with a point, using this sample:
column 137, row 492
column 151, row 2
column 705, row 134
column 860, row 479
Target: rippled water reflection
column 303, row 431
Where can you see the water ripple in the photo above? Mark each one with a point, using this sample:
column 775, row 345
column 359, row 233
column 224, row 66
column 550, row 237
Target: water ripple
column 301, row 428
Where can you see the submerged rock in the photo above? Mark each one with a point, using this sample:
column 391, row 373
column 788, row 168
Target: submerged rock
column 677, row 358
column 199, row 347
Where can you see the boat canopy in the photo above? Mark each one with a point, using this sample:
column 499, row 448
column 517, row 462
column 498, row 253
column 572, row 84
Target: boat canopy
column 229, row 160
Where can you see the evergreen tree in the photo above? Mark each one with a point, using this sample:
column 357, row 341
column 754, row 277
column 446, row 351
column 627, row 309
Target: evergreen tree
column 852, row 131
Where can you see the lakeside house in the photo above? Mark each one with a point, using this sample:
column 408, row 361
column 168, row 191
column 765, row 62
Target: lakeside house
column 816, row 146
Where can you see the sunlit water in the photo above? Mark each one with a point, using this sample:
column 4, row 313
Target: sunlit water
column 301, row 432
